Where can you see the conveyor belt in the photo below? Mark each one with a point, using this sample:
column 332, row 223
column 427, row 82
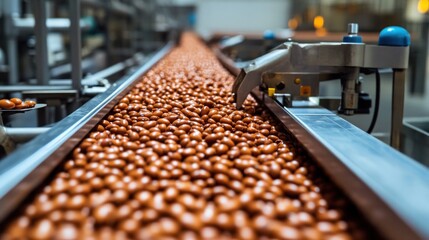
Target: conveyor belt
column 199, row 169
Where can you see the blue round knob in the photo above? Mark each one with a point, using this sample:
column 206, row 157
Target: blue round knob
column 352, row 37
column 269, row 34
column 394, row 36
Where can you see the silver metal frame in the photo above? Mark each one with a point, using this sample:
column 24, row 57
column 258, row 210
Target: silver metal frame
column 29, row 166
column 335, row 58
column 75, row 44
column 11, row 11
column 21, row 135
column 42, row 69
column 292, row 59
column 389, row 188
column 398, row 95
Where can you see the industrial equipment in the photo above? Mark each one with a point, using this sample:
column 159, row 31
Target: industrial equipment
column 11, row 137
column 295, row 70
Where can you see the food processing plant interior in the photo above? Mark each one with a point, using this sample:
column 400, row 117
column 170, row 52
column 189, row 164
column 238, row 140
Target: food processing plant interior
column 208, row 119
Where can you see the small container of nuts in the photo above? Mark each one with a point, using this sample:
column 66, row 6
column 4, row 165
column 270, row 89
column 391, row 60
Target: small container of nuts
column 16, row 104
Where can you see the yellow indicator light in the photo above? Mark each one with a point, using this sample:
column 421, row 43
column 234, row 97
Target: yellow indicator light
column 423, row 6
column 297, row 80
column 318, row 22
column 271, row 92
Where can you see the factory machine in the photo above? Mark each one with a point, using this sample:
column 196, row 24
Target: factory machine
column 284, row 78
column 295, row 71
column 385, row 189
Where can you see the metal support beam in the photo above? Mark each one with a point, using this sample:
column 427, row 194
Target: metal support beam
column 11, row 10
column 398, row 91
column 42, row 71
column 75, row 44
column 12, row 61
column 21, row 135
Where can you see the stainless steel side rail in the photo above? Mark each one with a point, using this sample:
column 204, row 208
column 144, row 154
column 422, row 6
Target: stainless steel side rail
column 22, row 171
column 389, row 188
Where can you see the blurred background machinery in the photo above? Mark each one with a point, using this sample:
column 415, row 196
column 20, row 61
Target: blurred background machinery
column 80, row 51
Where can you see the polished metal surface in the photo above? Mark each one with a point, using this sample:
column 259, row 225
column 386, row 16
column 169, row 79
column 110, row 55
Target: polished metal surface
column 29, row 166
column 415, row 139
column 12, row 9
column 12, row 60
column 42, row 70
column 342, row 59
column 21, row 88
column 75, row 44
column 352, row 28
column 336, row 58
column 388, row 187
column 251, row 76
column 398, row 92
column 386, row 57
column 21, row 135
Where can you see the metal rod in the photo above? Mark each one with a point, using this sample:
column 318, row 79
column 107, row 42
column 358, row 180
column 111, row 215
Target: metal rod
column 107, row 72
column 11, row 11
column 12, row 61
column 75, row 44
column 398, row 91
column 42, row 71
column 22, row 88
column 20, row 135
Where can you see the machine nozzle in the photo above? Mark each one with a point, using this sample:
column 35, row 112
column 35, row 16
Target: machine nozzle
column 251, row 76
column 352, row 28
